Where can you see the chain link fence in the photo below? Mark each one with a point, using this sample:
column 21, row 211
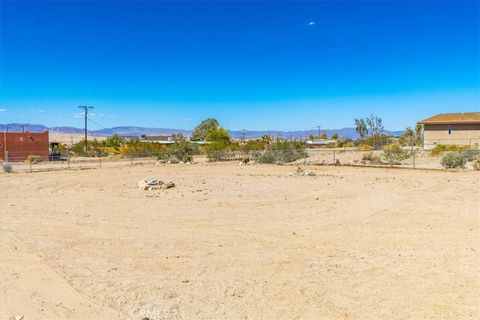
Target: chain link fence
column 404, row 158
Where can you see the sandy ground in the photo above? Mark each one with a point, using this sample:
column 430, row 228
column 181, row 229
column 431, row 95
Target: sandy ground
column 237, row 242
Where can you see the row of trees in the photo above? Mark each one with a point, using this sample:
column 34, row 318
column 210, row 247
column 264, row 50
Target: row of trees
column 371, row 132
column 219, row 143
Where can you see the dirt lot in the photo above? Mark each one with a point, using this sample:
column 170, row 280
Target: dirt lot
column 237, row 242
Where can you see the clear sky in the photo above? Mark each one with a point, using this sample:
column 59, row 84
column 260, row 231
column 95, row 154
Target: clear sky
column 252, row 65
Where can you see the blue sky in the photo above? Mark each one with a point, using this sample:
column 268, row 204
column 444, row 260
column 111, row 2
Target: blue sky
column 252, row 65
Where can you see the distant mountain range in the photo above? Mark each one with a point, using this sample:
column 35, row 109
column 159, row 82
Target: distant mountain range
column 138, row 131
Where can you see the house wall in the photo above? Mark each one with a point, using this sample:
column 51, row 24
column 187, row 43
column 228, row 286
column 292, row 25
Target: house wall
column 461, row 134
column 20, row 145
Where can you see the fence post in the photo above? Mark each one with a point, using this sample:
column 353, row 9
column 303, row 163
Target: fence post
column 333, row 156
column 30, row 166
column 100, row 160
column 131, row 160
column 68, row 162
column 414, row 153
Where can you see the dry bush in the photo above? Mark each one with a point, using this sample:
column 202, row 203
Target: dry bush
column 453, row 160
column 33, row 159
column 394, row 153
column 371, row 157
column 364, row 147
column 476, row 163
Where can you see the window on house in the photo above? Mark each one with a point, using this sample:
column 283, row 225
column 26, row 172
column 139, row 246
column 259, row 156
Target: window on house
column 449, row 129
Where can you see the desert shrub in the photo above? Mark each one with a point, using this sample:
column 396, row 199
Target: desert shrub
column 476, row 163
column 393, row 153
column 282, row 152
column 253, row 145
column 32, row 159
column 218, row 151
column 7, row 167
column 364, row 147
column 345, row 143
column 139, row 148
column 371, row 157
column 441, row 148
column 181, row 150
column 453, row 160
column 471, row 154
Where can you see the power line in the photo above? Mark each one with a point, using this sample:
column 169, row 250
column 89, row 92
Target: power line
column 98, row 124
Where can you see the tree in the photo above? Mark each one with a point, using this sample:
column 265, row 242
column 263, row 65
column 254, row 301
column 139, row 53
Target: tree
column 406, row 137
column 201, row 130
column 418, row 133
column 266, row 139
column 114, row 141
column 335, row 136
column 370, row 130
column 375, row 126
column 219, row 147
column 218, row 135
column 323, row 136
column 361, row 127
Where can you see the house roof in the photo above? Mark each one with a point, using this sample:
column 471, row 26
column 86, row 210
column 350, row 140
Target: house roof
column 453, row 118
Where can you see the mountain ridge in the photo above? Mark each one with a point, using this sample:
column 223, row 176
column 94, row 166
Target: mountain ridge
column 137, row 131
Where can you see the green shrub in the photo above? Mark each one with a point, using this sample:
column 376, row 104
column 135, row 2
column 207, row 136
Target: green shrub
column 282, row 152
column 7, row 167
column 181, row 150
column 219, row 151
column 471, row 154
column 441, row 148
column 453, row 160
column 393, row 153
column 32, row 159
column 364, row 147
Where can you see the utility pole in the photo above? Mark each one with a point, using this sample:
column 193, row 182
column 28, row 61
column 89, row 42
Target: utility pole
column 319, row 126
column 243, row 135
column 85, row 112
column 23, row 125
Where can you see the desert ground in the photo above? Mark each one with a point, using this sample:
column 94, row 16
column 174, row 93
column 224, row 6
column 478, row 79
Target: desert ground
column 240, row 242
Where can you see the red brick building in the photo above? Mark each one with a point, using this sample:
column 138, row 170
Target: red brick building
column 19, row 145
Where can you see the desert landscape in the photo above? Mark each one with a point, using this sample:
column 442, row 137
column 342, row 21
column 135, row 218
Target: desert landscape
column 240, row 242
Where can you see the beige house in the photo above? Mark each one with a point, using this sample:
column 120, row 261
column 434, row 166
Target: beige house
column 452, row 128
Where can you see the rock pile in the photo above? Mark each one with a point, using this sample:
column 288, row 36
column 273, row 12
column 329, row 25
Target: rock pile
column 154, row 184
column 173, row 161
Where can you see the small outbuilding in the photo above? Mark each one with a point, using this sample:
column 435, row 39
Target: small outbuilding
column 452, row 128
column 17, row 146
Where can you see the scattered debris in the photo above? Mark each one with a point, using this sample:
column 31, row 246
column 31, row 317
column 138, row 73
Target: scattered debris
column 301, row 172
column 172, row 161
column 154, row 184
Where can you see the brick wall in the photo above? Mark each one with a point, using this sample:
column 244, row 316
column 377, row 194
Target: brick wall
column 20, row 145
